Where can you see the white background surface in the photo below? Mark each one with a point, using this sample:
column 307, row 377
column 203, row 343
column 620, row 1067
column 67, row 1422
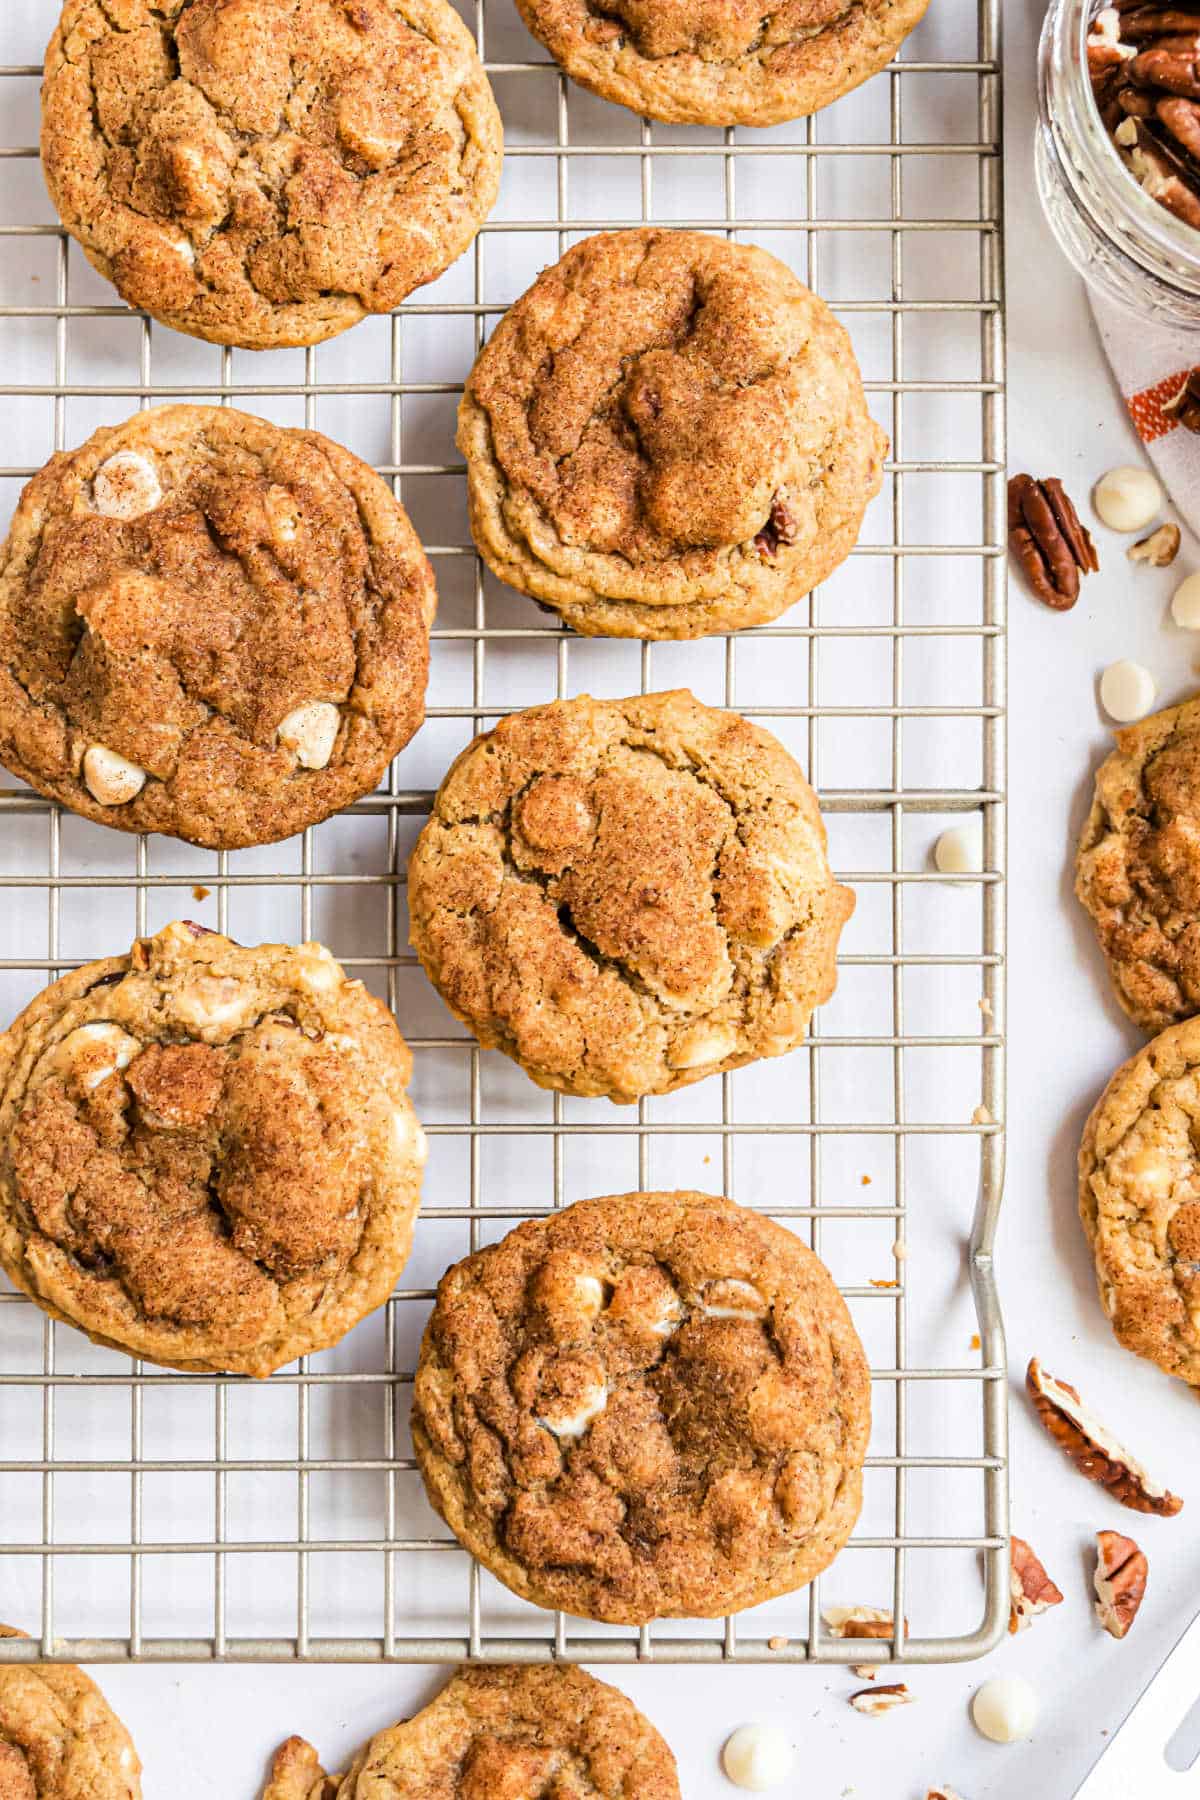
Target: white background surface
column 207, row 1732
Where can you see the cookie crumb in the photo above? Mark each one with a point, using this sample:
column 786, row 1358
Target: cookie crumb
column 976, row 1341
column 200, row 893
column 778, row 1643
column 981, row 1116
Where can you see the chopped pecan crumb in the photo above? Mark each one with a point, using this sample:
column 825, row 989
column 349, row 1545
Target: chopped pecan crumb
column 1093, row 1450
column 1048, row 539
column 859, row 1622
column 782, row 527
column 1120, row 1581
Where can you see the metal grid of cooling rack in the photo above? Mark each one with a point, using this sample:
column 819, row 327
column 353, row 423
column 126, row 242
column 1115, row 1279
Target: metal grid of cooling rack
column 789, row 190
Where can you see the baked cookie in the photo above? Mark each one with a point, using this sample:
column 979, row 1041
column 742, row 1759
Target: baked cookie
column 1138, row 866
column 210, row 627
column 1139, row 1198
column 627, row 895
column 667, row 436
column 59, row 1740
column 647, row 1406
column 268, row 172
column 210, row 1158
column 504, row 1733
column 722, row 62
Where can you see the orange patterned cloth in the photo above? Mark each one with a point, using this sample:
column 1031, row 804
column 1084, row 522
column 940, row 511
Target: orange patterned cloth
column 1151, row 360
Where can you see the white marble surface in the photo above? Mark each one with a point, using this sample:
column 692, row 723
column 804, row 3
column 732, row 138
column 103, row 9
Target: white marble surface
column 206, row 1731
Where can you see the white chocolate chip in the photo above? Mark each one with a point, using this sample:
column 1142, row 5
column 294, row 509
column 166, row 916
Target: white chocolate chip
column 702, row 1045
column 111, row 779
column 1005, row 1709
column 310, row 733
column 758, row 1757
column 94, row 1052
column 283, row 515
column 318, row 970
column 732, row 1299
column 574, row 1424
column 1127, row 691
column 959, row 851
column 1185, row 604
column 211, row 1003
column 126, row 486
column 411, row 1141
column 1126, row 499
column 589, row 1293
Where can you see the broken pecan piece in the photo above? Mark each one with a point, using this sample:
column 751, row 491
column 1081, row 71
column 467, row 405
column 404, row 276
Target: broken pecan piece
column 876, row 1701
column 1093, row 1450
column 1048, row 540
column 1120, row 1580
column 1185, row 405
column 782, row 527
column 1032, row 1590
column 1159, row 549
column 859, row 1622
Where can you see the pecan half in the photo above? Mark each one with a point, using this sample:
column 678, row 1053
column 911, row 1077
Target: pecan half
column 1159, row 549
column 1120, row 1581
column 1032, row 1590
column 1185, row 405
column 1093, row 1450
column 1048, row 540
column 876, row 1701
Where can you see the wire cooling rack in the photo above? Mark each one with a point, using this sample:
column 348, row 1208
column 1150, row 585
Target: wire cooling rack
column 150, row 1515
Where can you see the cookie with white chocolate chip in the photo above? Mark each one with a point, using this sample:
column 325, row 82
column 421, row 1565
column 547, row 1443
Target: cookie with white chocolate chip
column 1137, row 869
column 1139, row 1175
column 59, row 1738
column 667, row 436
column 644, row 1406
column 210, row 1159
column 268, row 172
column 503, row 1733
column 627, row 895
column 211, row 627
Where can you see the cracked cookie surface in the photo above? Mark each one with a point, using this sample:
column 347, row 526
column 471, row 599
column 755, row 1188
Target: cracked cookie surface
column 211, row 627
column 498, row 1734
column 59, row 1738
column 1138, row 866
column 207, row 1153
column 645, row 1406
column 1139, row 1199
column 722, row 62
column 627, row 895
column 268, row 172
column 667, row 436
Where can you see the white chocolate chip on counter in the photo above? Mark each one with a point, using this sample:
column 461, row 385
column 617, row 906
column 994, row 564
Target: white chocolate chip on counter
column 959, row 851
column 1127, row 691
column 310, row 732
column 1185, row 604
column 758, row 1757
column 110, row 779
column 1005, row 1709
column 126, row 486
column 1126, row 499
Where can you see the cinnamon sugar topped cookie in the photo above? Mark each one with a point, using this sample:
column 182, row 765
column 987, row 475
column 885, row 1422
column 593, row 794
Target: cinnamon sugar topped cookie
column 722, row 62
column 268, row 172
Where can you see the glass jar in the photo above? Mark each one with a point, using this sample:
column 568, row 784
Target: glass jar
column 1122, row 242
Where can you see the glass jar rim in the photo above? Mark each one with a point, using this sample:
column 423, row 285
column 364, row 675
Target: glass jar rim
column 1170, row 240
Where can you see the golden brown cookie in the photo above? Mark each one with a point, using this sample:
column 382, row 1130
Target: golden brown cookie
column 646, row 1406
column 268, row 172
column 627, row 895
column 667, row 436
column 209, row 1156
column 210, row 627
column 59, row 1740
column 722, row 62
column 1138, row 866
column 502, row 1733
column 1139, row 1199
